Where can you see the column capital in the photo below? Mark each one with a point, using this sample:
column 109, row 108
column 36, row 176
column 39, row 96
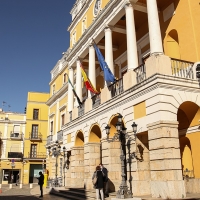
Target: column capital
column 108, row 28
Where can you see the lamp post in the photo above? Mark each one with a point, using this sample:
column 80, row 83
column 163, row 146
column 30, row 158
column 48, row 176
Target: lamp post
column 56, row 152
column 121, row 136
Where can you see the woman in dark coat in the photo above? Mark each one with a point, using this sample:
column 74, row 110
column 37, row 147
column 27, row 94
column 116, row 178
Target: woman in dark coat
column 100, row 183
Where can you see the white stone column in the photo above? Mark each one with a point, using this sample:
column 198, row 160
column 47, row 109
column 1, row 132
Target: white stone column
column 109, row 48
column 70, row 92
column 78, row 81
column 154, row 28
column 92, row 67
column 132, row 56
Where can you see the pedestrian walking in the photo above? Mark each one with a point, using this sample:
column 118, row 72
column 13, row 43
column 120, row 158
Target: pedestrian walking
column 17, row 179
column 40, row 183
column 98, row 175
column 106, row 179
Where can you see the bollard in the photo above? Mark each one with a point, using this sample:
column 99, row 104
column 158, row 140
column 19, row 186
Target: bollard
column 20, row 185
column 31, row 185
column 10, row 186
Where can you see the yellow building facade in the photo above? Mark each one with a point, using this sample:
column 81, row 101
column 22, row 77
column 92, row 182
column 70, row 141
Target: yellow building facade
column 35, row 136
column 152, row 49
column 12, row 129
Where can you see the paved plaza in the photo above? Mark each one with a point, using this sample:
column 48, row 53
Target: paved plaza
column 17, row 193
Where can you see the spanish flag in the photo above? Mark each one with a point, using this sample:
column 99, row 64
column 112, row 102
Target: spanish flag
column 87, row 81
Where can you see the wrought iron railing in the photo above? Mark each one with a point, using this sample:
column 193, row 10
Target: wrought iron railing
column 96, row 100
column 16, row 136
column 116, row 88
column 37, row 155
column 81, row 110
column 60, row 135
column 35, row 136
column 140, row 73
column 70, row 116
column 49, row 139
column 182, row 68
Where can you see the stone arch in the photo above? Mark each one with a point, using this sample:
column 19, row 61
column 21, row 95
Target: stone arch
column 95, row 133
column 172, row 44
column 188, row 116
column 79, row 140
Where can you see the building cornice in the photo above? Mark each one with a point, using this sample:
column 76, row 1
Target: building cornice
column 58, row 94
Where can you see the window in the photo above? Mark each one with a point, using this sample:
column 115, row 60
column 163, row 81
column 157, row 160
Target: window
column 64, row 78
column 34, row 132
column 35, row 113
column 51, row 128
column 84, row 25
column 33, row 151
column 53, row 89
column 74, row 38
column 62, row 119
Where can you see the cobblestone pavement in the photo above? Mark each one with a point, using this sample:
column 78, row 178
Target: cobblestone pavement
column 16, row 193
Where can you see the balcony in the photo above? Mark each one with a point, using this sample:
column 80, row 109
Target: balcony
column 49, row 139
column 116, row 88
column 15, row 155
column 37, row 155
column 16, row 136
column 60, row 135
column 35, row 136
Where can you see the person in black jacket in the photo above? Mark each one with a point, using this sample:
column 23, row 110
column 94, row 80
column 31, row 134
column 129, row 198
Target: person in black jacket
column 106, row 179
column 41, row 182
column 100, row 183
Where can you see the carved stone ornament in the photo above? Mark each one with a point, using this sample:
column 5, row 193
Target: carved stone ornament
column 97, row 7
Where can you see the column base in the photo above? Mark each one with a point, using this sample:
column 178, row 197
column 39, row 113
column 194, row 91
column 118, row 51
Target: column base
column 105, row 94
column 75, row 113
column 158, row 64
column 129, row 79
column 88, row 104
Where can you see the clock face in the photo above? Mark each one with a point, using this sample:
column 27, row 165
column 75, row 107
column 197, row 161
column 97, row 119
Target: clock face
column 97, row 7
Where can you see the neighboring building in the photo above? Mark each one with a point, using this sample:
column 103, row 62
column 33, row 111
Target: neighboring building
column 152, row 47
column 35, row 136
column 12, row 129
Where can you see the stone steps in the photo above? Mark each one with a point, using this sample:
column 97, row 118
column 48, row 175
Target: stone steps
column 78, row 194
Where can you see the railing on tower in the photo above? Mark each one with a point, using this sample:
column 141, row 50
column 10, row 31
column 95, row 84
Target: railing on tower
column 116, row 88
column 140, row 73
column 60, row 135
column 182, row 68
column 49, row 139
column 70, row 116
column 81, row 110
column 96, row 100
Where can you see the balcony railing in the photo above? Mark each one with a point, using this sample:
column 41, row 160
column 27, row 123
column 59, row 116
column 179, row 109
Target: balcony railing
column 70, row 116
column 16, row 136
column 116, row 88
column 37, row 155
column 15, row 155
column 81, row 110
column 182, row 68
column 140, row 73
column 60, row 135
column 96, row 100
column 49, row 139
column 35, row 136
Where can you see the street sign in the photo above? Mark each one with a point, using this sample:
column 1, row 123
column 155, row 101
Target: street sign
column 12, row 164
column 12, row 160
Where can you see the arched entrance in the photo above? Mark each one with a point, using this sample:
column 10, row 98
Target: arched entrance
column 92, row 154
column 77, row 161
column 188, row 117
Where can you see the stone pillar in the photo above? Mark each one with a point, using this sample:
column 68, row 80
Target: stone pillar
column 109, row 49
column 92, row 67
column 138, row 168
column 154, row 28
column 129, row 79
column 91, row 160
column 165, row 161
column 78, row 82
column 111, row 160
column 77, row 167
column 70, row 92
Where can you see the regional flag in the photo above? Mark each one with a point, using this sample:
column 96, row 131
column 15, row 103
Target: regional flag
column 75, row 94
column 87, row 81
column 108, row 75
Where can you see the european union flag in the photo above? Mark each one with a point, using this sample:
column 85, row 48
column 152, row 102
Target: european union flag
column 108, row 75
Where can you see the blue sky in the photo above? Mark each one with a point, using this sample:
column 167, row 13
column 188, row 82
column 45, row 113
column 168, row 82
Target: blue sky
column 33, row 35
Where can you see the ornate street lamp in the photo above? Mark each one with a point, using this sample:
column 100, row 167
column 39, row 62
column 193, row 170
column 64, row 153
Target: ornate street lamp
column 121, row 135
column 56, row 152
